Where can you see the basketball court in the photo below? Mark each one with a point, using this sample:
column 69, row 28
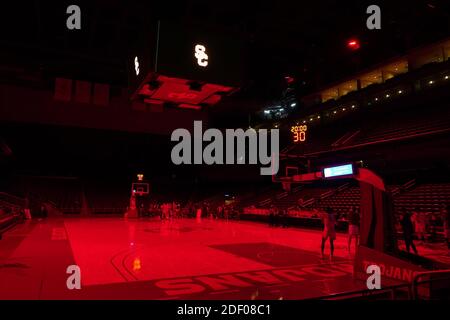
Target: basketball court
column 179, row 259
column 151, row 151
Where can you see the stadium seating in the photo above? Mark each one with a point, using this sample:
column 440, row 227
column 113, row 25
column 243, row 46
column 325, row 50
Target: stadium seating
column 341, row 200
column 261, row 198
column 61, row 193
column 428, row 198
column 300, row 197
column 375, row 115
column 425, row 198
column 7, row 220
column 10, row 208
column 106, row 197
column 396, row 128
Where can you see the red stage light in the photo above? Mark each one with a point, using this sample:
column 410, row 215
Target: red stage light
column 353, row 44
column 289, row 80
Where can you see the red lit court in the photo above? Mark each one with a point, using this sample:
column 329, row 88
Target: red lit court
column 150, row 259
column 209, row 152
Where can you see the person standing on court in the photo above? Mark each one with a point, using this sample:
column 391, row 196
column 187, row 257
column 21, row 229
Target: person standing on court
column 329, row 231
column 44, row 212
column 446, row 219
column 408, row 232
column 353, row 228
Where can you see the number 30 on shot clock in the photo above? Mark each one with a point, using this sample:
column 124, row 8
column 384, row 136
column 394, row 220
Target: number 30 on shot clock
column 299, row 133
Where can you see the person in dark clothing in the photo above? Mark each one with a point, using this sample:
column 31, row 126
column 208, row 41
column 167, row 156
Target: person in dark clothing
column 353, row 228
column 44, row 212
column 446, row 220
column 276, row 216
column 408, row 232
column 272, row 216
column 219, row 212
column 286, row 219
column 283, row 218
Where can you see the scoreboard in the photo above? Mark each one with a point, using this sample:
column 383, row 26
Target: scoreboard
column 299, row 133
column 186, row 66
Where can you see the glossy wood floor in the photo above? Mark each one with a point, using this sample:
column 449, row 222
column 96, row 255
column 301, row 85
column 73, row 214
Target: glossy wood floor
column 179, row 259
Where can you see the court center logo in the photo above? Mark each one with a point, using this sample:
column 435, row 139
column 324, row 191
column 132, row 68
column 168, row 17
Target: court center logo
column 231, row 149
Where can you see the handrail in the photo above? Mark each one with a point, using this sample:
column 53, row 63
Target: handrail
column 288, row 148
column 419, row 275
column 265, row 201
column 281, row 195
column 332, row 192
column 409, row 184
column 411, row 287
column 366, row 292
column 343, row 187
column 338, row 141
column 354, row 134
column 308, row 202
column 395, row 191
column 11, row 221
column 326, row 194
column 379, row 142
column 8, row 197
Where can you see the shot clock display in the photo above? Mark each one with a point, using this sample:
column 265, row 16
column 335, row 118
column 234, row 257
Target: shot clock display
column 299, row 133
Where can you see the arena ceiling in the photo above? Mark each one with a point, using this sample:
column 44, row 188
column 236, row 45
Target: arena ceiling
column 303, row 39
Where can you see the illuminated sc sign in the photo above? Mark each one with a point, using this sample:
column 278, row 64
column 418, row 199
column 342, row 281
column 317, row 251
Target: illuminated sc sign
column 299, row 133
column 200, row 55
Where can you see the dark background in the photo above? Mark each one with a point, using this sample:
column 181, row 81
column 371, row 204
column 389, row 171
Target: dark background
column 227, row 55
column 302, row 39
